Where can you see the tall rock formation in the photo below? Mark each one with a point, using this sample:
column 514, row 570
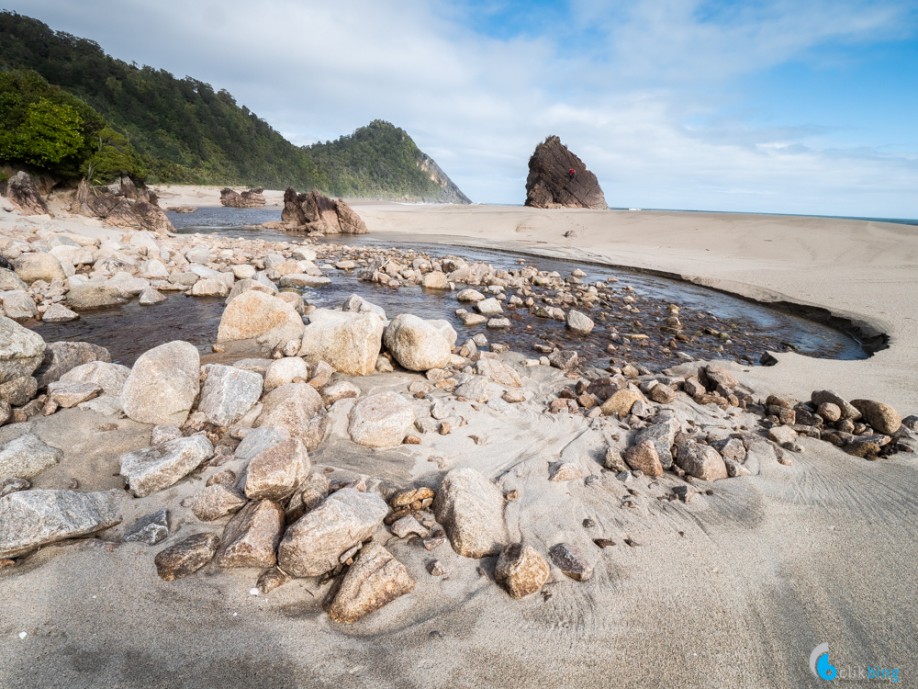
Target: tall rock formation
column 314, row 212
column 559, row 179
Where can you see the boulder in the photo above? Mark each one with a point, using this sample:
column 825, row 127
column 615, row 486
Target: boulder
column 67, row 395
column 209, row 287
column 228, row 393
column 315, row 542
column 499, row 372
column 94, row 295
column 381, row 420
column 878, row 415
column 315, row 212
column 33, row 518
column 700, row 461
column 251, row 537
column 163, row 384
column 374, row 580
column 285, row 370
column 417, row 344
column 250, row 198
column 275, row 473
column 663, row 437
column 489, row 307
column 216, row 501
column 19, row 391
column 435, row 279
column 186, row 557
column 62, row 357
column 357, row 303
column 110, row 377
column 559, row 179
column 620, row 403
column 27, row 456
column 579, row 323
column 290, row 407
column 21, row 190
column 521, row 570
column 58, row 313
column 643, row 456
column 132, row 207
column 848, row 411
column 349, row 341
column 19, row 305
column 155, row 468
column 471, row 509
column 21, row 350
column 254, row 315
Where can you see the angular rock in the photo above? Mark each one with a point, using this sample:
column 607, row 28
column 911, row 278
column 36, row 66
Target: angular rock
column 878, row 415
column 663, row 437
column 471, row 510
column 276, row 472
column 489, row 307
column 21, row 190
column 551, row 184
column 783, row 435
column 155, row 468
column 68, row 395
column 254, row 315
column 315, row 212
column 19, row 391
column 340, row 390
column 258, row 440
column 848, row 410
column 381, row 420
column 349, row 341
column 151, row 529
column 291, row 407
column 572, row 561
column 94, row 295
column 579, row 323
column 110, row 377
column 643, row 456
column 416, row 344
column 163, row 384
column 700, row 461
column 374, row 580
column 620, row 403
column 19, row 306
column 21, row 350
column 314, row 543
column 27, row 456
column 61, row 357
column 186, row 557
column 32, row 518
column 521, row 570
column 250, row 198
column 565, row 471
column 251, row 537
column 228, row 393
column 217, row 501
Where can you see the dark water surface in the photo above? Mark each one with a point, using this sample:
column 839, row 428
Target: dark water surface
column 709, row 316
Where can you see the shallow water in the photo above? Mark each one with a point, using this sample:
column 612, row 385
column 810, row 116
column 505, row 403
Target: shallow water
column 752, row 328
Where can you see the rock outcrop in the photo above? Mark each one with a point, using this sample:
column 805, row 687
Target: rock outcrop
column 130, row 207
column 315, row 212
column 559, row 179
column 20, row 189
column 251, row 198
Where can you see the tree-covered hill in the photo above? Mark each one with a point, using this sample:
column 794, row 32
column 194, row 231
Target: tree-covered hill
column 181, row 130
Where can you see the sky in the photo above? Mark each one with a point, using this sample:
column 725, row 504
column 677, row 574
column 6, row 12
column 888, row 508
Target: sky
column 776, row 106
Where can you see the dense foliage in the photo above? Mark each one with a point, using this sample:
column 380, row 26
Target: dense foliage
column 174, row 130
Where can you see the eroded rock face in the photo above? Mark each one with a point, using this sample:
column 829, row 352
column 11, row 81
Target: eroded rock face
column 347, row 340
column 21, row 190
column 254, row 315
column 374, row 580
column 314, row 543
column 131, row 207
column 550, row 183
column 163, row 384
column 315, row 212
column 250, row 198
column 471, row 509
column 33, row 518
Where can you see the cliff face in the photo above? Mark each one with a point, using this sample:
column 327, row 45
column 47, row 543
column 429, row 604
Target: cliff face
column 559, row 179
column 451, row 193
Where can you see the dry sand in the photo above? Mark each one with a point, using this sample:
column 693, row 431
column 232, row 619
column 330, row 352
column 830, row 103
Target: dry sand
column 731, row 590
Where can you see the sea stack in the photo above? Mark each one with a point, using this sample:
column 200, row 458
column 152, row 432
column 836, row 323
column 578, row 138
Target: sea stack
column 559, row 179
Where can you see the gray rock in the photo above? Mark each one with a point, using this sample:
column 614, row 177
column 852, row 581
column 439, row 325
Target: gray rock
column 13, row 485
column 572, row 561
column 489, row 307
column 417, row 344
column 186, row 557
column 39, row 266
column 251, row 537
column 663, row 436
column 155, row 468
column 314, row 543
column 18, row 391
column 499, row 372
column 228, row 393
column 163, row 384
column 151, row 529
column 21, row 350
column 471, row 509
column 285, row 370
column 700, row 461
column 94, row 295
column 68, row 395
column 111, row 377
column 254, row 315
column 374, row 580
column 291, row 407
column 381, row 420
column 33, row 518
column 58, row 313
column 18, row 305
column 258, row 440
column 579, row 323
column 27, row 456
column 217, row 501
column 275, row 473
column 61, row 357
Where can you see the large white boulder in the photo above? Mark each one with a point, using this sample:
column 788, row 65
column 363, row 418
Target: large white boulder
column 349, row 341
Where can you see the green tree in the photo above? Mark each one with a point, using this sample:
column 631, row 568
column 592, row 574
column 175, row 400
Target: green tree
column 50, row 133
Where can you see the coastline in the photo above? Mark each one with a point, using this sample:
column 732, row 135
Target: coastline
column 734, row 589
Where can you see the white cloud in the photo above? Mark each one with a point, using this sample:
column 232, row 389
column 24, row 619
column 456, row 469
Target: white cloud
column 637, row 89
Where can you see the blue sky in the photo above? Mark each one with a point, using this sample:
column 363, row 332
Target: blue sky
column 769, row 105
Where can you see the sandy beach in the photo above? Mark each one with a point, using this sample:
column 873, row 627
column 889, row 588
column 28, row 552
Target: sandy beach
column 732, row 589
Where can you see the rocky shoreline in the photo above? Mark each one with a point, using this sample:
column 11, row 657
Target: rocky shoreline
column 222, row 456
